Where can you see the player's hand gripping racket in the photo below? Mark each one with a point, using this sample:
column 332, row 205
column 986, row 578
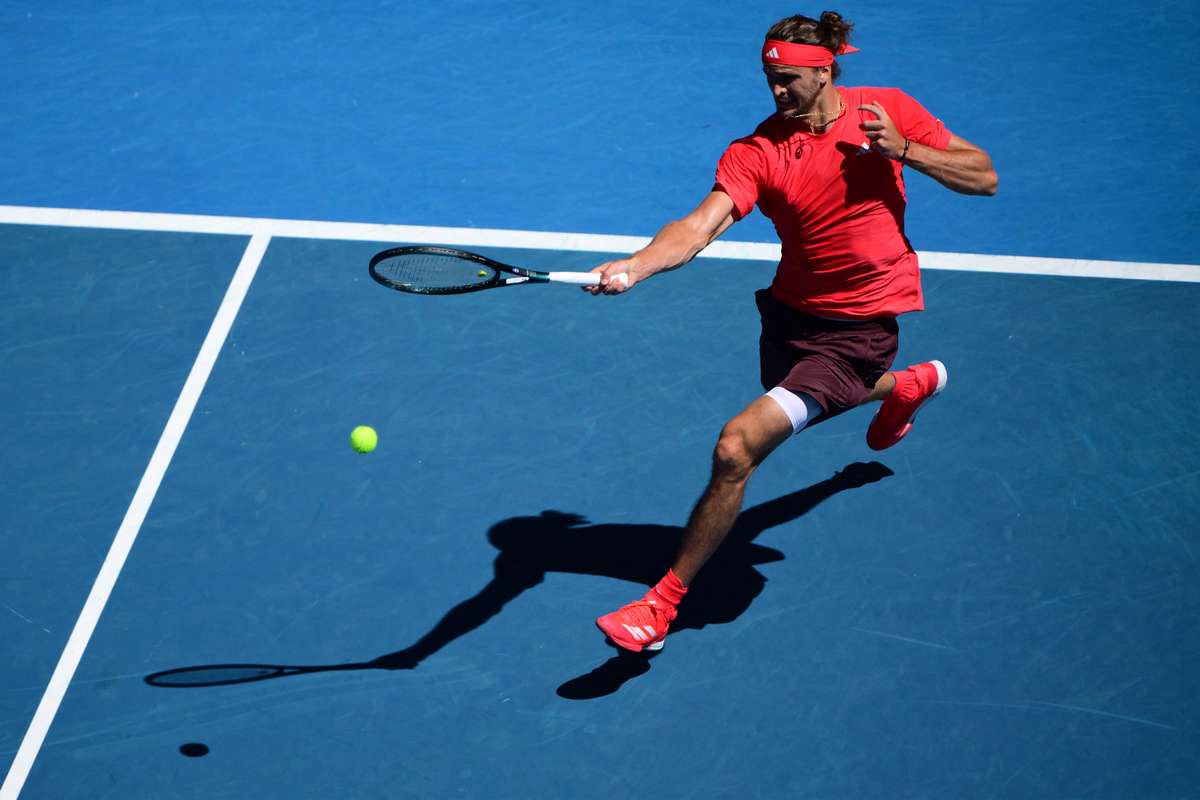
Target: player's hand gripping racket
column 444, row 270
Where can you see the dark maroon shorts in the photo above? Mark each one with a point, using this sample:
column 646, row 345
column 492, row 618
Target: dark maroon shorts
column 836, row 363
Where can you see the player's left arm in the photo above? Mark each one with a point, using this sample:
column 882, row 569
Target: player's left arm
column 962, row 166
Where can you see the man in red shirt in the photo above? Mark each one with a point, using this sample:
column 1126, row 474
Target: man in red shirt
column 826, row 169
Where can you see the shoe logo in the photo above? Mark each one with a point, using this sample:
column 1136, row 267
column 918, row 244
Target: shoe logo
column 640, row 634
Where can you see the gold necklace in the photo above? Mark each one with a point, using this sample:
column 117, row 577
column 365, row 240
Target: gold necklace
column 836, row 115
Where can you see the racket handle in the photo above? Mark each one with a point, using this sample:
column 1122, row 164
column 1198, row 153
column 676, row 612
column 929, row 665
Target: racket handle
column 584, row 278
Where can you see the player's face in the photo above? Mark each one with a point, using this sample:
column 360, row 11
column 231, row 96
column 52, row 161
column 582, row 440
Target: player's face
column 795, row 88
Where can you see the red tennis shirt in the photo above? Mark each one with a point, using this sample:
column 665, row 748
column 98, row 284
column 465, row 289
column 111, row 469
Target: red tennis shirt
column 838, row 206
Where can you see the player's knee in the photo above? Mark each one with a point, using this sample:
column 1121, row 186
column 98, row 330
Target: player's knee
column 732, row 457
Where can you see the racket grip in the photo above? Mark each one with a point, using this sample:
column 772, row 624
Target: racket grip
column 584, row 278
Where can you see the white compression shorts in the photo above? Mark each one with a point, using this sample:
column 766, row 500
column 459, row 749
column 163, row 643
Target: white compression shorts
column 800, row 408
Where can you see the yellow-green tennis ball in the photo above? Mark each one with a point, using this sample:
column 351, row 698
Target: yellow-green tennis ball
column 363, row 438
column 482, row 273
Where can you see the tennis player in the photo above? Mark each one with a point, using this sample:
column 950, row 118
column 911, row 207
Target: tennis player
column 826, row 168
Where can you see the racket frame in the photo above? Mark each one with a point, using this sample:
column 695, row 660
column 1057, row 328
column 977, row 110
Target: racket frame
column 504, row 274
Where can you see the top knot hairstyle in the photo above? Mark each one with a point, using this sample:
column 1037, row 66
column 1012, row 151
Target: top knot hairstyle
column 830, row 31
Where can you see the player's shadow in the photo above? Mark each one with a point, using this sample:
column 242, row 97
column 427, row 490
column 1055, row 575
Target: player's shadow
column 554, row 541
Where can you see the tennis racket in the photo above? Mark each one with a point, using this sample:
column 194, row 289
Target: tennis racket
column 444, row 270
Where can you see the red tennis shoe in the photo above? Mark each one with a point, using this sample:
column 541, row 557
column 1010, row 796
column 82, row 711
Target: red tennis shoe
column 915, row 386
column 641, row 625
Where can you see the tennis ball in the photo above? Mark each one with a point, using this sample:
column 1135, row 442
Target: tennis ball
column 482, row 273
column 363, row 438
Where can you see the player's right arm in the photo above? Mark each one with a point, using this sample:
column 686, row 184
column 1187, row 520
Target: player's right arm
column 676, row 244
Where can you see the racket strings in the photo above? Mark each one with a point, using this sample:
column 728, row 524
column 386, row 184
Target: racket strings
column 434, row 271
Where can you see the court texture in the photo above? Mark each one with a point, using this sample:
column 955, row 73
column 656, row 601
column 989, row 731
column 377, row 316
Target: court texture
column 206, row 593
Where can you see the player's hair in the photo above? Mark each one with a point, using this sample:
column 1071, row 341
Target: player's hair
column 830, row 31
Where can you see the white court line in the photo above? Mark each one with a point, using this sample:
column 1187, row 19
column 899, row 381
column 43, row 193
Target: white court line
column 543, row 240
column 134, row 516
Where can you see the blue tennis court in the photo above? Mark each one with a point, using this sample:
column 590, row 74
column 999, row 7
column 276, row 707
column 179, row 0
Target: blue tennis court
column 205, row 592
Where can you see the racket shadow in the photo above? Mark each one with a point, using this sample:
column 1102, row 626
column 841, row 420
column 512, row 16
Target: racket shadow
column 555, row 541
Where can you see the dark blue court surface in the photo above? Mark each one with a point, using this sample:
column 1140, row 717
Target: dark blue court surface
column 1003, row 606
column 99, row 331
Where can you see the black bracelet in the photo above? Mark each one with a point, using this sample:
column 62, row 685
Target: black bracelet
column 904, row 155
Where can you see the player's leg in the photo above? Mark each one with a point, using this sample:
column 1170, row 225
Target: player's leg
column 744, row 443
column 883, row 387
